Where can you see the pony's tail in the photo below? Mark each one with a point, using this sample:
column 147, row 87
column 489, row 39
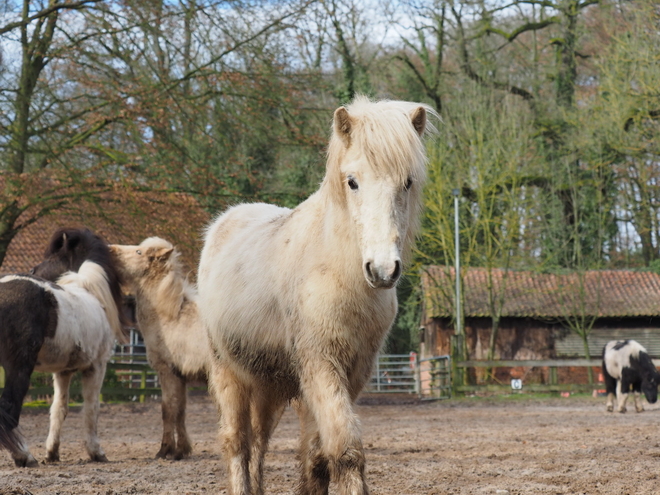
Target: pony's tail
column 92, row 277
column 9, row 436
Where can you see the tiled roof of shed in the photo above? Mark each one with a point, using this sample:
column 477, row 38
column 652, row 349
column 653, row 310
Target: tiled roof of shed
column 607, row 293
column 121, row 217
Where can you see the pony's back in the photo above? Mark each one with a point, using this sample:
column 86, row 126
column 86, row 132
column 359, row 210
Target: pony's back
column 94, row 279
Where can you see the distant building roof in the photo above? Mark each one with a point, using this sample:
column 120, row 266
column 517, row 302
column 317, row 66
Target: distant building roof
column 121, row 217
column 607, row 293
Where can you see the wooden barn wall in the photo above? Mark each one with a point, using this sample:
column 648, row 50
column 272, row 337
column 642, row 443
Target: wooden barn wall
column 646, row 331
column 527, row 338
column 518, row 338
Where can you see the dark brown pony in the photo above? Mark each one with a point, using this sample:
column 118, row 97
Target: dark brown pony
column 69, row 248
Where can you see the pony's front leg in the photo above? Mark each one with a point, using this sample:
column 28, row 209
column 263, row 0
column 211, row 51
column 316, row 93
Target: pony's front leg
column 639, row 407
column 92, row 380
column 58, row 412
column 325, row 393
column 610, row 402
column 621, row 397
column 173, row 409
column 315, row 475
column 233, row 401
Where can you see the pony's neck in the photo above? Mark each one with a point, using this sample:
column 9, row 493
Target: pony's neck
column 164, row 296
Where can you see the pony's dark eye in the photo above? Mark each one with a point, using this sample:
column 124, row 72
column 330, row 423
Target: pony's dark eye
column 408, row 184
column 352, row 184
column 138, row 251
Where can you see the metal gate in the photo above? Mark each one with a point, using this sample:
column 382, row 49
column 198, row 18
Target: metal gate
column 394, row 373
column 430, row 378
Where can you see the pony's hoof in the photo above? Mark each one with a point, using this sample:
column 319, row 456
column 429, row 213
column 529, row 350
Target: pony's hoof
column 163, row 453
column 610, row 408
column 641, row 409
column 28, row 462
column 53, row 457
column 623, row 410
column 186, row 449
column 98, row 458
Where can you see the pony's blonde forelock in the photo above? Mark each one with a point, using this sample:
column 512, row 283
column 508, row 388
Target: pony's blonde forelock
column 384, row 131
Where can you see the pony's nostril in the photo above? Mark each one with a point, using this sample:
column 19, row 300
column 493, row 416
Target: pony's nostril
column 367, row 269
column 397, row 270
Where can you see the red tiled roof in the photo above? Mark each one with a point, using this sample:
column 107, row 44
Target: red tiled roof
column 607, row 293
column 121, row 217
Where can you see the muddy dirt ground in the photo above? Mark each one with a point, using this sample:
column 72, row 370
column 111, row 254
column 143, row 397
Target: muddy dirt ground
column 466, row 446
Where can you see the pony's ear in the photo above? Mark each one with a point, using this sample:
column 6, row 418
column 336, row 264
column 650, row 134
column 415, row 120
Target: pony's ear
column 161, row 254
column 418, row 118
column 71, row 242
column 343, row 125
column 59, row 243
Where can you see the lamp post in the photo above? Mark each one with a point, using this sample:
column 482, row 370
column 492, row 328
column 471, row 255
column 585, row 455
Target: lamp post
column 457, row 264
column 459, row 339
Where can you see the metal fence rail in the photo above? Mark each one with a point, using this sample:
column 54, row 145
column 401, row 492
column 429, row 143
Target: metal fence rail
column 430, row 378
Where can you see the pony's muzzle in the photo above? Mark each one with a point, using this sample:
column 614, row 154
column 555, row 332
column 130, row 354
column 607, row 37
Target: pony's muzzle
column 380, row 277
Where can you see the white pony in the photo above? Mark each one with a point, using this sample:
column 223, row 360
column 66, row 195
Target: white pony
column 177, row 345
column 82, row 321
column 297, row 302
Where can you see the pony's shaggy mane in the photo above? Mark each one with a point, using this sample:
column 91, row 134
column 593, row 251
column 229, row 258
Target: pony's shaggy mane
column 172, row 285
column 93, row 278
column 69, row 246
column 384, row 130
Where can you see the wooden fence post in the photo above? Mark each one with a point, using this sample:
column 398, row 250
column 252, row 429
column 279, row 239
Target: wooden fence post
column 143, row 384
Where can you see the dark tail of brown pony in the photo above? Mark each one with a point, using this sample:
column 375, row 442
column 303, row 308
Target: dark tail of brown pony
column 9, row 439
column 28, row 314
column 11, row 403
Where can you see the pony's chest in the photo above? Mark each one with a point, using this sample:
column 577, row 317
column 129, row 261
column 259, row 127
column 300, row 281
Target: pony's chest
column 324, row 300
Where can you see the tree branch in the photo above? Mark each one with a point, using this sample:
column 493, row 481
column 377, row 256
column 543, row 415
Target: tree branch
column 46, row 12
column 530, row 26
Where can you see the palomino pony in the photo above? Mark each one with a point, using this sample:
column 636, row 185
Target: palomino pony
column 177, row 345
column 297, row 303
column 60, row 328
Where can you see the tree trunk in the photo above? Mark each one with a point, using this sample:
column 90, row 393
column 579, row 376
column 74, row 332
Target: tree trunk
column 567, row 65
column 33, row 60
column 8, row 217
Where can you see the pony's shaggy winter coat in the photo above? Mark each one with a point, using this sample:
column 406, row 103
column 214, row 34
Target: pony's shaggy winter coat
column 297, row 302
column 177, row 345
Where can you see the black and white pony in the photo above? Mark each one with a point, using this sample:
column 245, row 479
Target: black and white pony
column 61, row 327
column 626, row 366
